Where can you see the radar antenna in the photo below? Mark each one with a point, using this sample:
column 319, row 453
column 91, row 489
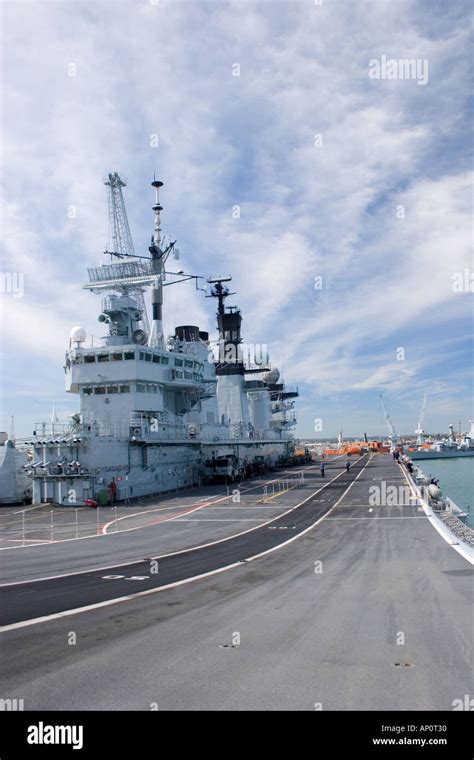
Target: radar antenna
column 219, row 291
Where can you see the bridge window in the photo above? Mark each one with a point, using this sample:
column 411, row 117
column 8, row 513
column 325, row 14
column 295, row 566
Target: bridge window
column 102, row 357
column 188, row 375
column 178, row 362
column 156, row 358
column 112, row 389
column 141, row 388
column 87, row 391
column 148, row 357
column 100, row 390
column 89, row 358
column 129, row 355
column 116, row 357
column 178, row 373
column 124, row 389
column 165, row 359
column 188, row 363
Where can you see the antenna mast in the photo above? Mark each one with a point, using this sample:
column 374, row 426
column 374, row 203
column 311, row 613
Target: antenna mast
column 158, row 258
column 119, row 230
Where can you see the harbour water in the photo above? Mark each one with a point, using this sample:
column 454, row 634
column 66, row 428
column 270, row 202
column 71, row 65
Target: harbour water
column 456, row 480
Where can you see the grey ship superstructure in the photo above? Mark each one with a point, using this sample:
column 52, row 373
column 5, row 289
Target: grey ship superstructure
column 155, row 415
column 15, row 485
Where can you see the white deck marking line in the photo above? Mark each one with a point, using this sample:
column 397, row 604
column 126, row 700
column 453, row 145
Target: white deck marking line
column 218, row 519
column 243, row 506
column 415, row 517
column 181, row 551
column 260, row 484
column 148, row 592
column 20, row 540
column 43, row 542
column 170, row 554
column 323, row 517
column 439, row 526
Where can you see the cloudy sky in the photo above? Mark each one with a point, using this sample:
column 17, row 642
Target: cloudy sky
column 340, row 202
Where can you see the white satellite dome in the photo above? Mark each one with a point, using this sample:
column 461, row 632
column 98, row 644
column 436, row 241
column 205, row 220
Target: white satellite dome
column 78, row 334
column 272, row 376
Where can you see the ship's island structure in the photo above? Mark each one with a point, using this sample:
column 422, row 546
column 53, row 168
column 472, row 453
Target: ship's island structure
column 157, row 414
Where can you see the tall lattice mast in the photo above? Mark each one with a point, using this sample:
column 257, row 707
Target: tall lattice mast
column 119, row 230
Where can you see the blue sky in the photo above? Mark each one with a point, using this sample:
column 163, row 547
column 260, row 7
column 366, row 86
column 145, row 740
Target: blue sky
column 307, row 210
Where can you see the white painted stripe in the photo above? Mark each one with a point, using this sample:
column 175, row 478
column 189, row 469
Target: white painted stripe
column 43, row 542
column 240, row 507
column 290, row 540
column 198, row 506
column 373, row 519
column 219, row 519
column 109, row 602
column 463, row 549
column 171, row 554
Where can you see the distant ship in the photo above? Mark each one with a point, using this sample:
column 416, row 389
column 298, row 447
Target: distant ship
column 155, row 414
column 448, row 448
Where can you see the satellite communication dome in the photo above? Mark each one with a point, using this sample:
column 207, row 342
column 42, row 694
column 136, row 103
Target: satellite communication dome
column 272, row 376
column 78, row 334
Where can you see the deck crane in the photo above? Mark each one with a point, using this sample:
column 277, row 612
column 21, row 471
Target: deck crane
column 419, row 429
column 393, row 435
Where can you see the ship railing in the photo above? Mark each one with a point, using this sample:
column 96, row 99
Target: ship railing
column 164, row 433
column 214, row 433
column 453, row 508
column 201, row 432
column 52, row 430
column 93, row 341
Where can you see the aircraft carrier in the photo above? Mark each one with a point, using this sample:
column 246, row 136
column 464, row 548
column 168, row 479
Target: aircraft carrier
column 175, row 558
column 300, row 596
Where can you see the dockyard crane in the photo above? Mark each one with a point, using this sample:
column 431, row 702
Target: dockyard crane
column 419, row 429
column 393, row 435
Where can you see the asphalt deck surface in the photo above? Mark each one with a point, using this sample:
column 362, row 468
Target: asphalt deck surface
column 368, row 609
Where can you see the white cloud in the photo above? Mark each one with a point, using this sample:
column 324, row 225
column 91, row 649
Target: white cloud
column 247, row 140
